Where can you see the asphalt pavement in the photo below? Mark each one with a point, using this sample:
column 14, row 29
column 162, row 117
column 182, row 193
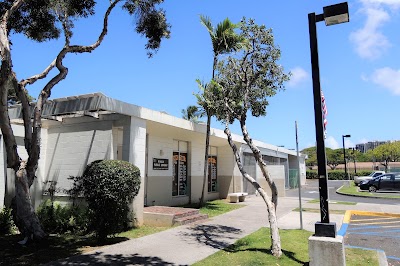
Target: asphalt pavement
column 310, row 190
column 375, row 231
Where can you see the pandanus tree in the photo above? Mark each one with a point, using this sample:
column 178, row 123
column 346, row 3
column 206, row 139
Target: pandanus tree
column 44, row 20
column 224, row 40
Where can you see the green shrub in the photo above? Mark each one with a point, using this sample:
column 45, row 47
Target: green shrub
column 6, row 221
column 56, row 218
column 311, row 174
column 336, row 174
column 108, row 187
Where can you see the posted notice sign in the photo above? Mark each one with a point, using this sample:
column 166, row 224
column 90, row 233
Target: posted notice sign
column 160, row 164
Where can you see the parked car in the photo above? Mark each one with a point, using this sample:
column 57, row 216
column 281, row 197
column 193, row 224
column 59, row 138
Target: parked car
column 358, row 179
column 387, row 182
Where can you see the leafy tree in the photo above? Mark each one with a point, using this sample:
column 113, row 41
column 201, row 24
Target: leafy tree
column 386, row 153
column 44, row 20
column 311, row 153
column 243, row 85
column 334, row 157
column 224, row 40
column 192, row 113
column 363, row 157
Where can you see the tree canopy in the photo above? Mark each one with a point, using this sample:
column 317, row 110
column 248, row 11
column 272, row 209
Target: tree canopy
column 44, row 20
column 386, row 153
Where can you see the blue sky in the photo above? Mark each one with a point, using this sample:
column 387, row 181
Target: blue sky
column 359, row 64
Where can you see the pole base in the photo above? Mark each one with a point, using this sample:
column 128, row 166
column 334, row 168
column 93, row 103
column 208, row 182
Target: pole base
column 325, row 229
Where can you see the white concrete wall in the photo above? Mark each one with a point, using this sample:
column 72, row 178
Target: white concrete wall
column 230, row 178
column 71, row 147
column 277, row 173
column 137, row 152
column 159, row 187
column 159, row 182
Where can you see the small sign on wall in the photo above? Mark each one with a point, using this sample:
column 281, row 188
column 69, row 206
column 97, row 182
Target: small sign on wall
column 160, row 164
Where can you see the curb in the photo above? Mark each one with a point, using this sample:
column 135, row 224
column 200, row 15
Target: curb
column 362, row 196
column 382, row 258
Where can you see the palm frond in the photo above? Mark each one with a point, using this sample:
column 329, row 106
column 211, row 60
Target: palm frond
column 206, row 22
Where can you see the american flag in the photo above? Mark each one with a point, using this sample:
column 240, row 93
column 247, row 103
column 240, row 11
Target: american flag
column 324, row 112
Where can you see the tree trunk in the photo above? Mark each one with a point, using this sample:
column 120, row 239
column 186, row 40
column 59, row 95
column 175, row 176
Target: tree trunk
column 24, row 214
column 259, row 160
column 271, row 207
column 201, row 203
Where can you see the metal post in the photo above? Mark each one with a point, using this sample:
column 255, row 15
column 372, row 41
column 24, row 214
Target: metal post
column 298, row 178
column 345, row 161
column 324, row 228
column 354, row 160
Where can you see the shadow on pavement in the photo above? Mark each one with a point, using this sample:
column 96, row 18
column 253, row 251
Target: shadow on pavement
column 215, row 236
column 99, row 258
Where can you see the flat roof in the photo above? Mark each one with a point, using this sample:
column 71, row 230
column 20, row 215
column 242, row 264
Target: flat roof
column 101, row 104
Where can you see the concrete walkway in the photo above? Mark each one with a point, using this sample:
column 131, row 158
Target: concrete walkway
column 185, row 245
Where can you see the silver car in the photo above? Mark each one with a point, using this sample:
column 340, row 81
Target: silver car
column 358, row 179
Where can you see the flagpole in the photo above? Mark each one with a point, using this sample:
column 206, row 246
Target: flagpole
column 298, row 177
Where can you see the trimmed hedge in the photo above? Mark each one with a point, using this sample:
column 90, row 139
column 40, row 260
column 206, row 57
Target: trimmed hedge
column 108, row 186
column 336, row 174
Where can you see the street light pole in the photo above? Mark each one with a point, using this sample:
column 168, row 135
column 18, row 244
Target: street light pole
column 344, row 157
column 354, row 160
column 332, row 15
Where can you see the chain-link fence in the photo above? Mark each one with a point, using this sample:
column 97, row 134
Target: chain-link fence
column 293, row 178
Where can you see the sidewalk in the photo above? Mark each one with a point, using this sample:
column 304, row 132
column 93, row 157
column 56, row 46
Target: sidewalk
column 185, row 245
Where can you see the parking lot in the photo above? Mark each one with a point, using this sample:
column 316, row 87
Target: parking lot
column 377, row 231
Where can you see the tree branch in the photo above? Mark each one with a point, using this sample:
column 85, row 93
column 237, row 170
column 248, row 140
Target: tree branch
column 90, row 48
column 46, row 91
column 33, row 79
column 7, row 80
column 26, row 115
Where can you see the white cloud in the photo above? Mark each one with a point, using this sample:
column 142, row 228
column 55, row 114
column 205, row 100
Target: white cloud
column 369, row 41
column 348, row 143
column 299, row 75
column 387, row 78
column 391, row 3
column 330, row 142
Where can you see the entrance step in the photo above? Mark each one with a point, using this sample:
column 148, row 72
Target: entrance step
column 190, row 219
column 169, row 216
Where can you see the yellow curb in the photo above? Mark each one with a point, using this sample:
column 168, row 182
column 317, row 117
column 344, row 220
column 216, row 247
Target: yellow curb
column 348, row 214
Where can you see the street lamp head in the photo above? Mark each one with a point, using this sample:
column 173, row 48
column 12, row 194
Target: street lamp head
column 336, row 14
column 346, row 136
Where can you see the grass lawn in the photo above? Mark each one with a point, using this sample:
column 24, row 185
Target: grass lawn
column 254, row 250
column 318, row 210
column 354, row 190
column 216, row 207
column 334, row 202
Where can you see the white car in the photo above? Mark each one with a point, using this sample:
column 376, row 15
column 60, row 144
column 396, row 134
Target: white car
column 358, row 179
